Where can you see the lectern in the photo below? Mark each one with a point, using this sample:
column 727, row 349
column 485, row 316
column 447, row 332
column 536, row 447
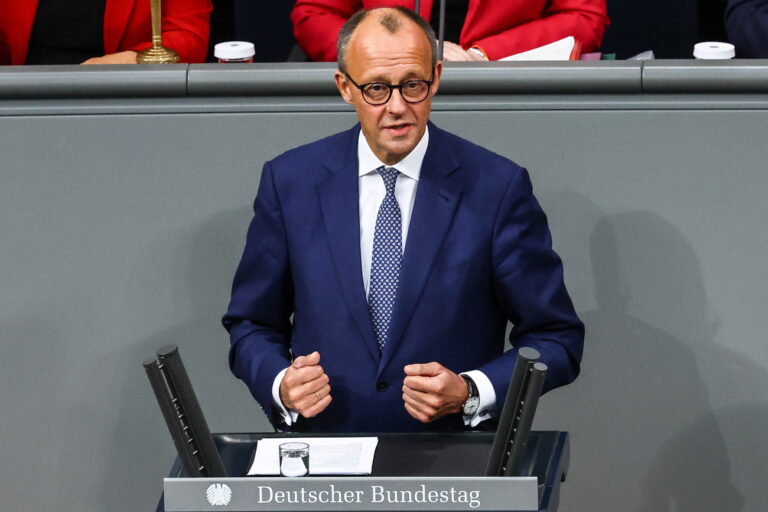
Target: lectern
column 513, row 470
column 417, row 463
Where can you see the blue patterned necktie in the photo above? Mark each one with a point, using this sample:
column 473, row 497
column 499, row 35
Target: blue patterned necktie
column 387, row 255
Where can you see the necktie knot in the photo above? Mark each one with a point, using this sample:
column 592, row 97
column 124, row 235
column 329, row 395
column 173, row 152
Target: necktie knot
column 389, row 175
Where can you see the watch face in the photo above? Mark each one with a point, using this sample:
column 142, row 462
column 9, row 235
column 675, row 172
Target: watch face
column 471, row 406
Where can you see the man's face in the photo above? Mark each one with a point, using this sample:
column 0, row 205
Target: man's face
column 376, row 55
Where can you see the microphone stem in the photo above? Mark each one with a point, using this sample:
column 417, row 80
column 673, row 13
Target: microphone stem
column 441, row 36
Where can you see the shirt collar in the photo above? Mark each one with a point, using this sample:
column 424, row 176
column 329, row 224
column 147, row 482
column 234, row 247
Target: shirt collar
column 410, row 165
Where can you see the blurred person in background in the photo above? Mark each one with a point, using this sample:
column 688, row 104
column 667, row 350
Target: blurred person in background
column 474, row 29
column 98, row 31
column 746, row 22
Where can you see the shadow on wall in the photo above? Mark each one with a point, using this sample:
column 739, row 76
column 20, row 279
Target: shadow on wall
column 203, row 264
column 645, row 269
column 659, row 416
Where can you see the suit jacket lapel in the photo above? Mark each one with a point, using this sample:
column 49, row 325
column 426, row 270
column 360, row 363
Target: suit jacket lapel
column 432, row 214
column 341, row 216
column 116, row 17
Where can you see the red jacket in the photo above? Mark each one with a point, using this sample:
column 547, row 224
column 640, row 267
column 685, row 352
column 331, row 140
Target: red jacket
column 127, row 26
column 498, row 27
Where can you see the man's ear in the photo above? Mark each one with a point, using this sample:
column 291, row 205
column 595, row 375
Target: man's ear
column 438, row 73
column 342, row 84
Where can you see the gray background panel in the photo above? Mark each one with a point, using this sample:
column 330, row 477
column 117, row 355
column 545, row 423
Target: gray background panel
column 120, row 233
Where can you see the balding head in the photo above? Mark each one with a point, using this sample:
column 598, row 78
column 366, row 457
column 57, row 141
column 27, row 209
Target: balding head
column 392, row 19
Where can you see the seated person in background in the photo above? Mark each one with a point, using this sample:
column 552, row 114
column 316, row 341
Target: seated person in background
column 474, row 29
column 746, row 22
column 98, row 31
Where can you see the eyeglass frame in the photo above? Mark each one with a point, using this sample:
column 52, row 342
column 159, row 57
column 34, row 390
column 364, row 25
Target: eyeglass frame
column 391, row 88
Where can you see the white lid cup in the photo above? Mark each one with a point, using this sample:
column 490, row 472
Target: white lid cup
column 714, row 50
column 234, row 51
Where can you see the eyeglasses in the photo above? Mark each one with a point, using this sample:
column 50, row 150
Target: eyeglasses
column 377, row 93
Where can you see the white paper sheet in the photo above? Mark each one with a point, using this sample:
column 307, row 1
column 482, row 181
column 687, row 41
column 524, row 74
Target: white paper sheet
column 559, row 50
column 327, row 455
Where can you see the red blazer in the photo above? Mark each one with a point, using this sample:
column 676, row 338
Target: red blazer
column 127, row 26
column 498, row 27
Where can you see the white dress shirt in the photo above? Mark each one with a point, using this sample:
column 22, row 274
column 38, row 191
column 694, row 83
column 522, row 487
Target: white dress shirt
column 371, row 194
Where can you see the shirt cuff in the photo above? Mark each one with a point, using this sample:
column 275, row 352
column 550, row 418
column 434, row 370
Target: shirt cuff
column 289, row 416
column 487, row 408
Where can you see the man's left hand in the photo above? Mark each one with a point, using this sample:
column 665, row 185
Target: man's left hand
column 127, row 57
column 430, row 391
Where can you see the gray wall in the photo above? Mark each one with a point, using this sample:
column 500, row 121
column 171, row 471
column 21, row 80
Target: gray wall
column 122, row 220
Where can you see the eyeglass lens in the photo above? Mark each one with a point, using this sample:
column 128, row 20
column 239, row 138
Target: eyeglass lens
column 414, row 90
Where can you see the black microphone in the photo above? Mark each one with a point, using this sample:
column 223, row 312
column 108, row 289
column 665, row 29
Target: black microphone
column 517, row 414
column 183, row 415
column 530, row 401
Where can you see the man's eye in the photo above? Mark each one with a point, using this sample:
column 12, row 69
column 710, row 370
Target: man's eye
column 377, row 88
column 412, row 85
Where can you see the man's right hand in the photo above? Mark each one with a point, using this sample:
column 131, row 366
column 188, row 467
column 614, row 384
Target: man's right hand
column 305, row 386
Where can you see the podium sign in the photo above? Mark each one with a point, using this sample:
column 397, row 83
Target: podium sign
column 398, row 494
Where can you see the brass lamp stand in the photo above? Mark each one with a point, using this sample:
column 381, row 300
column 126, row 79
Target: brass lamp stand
column 156, row 54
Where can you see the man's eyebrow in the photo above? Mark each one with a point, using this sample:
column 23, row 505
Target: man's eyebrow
column 413, row 75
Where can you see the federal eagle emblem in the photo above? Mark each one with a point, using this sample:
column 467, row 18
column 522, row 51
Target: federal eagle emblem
column 218, row 494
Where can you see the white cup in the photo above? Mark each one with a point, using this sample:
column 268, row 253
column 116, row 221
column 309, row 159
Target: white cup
column 714, row 50
column 233, row 52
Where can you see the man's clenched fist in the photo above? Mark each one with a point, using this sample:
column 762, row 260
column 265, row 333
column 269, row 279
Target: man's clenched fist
column 430, row 391
column 305, row 386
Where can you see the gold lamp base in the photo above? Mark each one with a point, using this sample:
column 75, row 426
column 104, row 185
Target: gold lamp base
column 157, row 55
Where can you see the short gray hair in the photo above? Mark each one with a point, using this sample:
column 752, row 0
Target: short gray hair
column 388, row 20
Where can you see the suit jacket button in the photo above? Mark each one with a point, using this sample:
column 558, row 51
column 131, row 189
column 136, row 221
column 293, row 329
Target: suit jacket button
column 382, row 385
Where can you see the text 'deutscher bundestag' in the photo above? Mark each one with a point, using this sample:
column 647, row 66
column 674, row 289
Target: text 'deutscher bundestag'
column 351, row 494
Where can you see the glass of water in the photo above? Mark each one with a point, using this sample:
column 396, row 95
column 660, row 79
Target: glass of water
column 294, row 459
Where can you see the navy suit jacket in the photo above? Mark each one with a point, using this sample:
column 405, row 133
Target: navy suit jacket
column 478, row 254
column 746, row 22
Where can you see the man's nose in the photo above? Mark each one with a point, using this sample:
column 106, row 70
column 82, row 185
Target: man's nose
column 396, row 103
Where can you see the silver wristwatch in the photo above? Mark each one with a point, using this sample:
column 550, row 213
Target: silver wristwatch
column 473, row 399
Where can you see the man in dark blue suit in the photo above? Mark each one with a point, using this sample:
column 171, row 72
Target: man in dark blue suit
column 395, row 252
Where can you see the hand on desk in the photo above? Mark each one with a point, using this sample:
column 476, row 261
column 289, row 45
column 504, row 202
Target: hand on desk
column 430, row 391
column 127, row 57
column 454, row 52
column 305, row 386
